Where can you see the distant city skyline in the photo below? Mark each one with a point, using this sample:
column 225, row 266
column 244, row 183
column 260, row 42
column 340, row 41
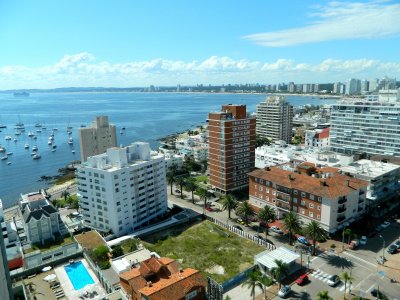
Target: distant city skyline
column 51, row 44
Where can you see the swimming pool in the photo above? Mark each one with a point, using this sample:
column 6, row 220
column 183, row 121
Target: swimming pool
column 78, row 275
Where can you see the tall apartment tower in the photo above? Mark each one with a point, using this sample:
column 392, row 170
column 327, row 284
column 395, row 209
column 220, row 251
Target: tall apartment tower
column 231, row 147
column 122, row 189
column 367, row 126
column 274, row 119
column 5, row 281
column 353, row 87
column 97, row 139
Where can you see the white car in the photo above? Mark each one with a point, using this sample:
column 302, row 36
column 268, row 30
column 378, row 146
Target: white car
column 385, row 224
column 284, row 291
column 333, row 280
column 276, row 229
column 363, row 240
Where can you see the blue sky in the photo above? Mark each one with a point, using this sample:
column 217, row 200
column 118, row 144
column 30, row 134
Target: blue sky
column 47, row 43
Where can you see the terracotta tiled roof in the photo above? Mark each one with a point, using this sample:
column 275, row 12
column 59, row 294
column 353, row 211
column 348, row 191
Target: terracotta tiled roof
column 323, row 134
column 331, row 187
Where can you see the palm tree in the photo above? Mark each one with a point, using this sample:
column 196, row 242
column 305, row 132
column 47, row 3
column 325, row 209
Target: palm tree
column 181, row 182
column 266, row 215
column 171, row 180
column 346, row 278
column 203, row 195
column 191, row 186
column 280, row 271
column 229, row 203
column 291, row 223
column 266, row 281
column 324, row 295
column 253, row 280
column 65, row 194
column 315, row 232
column 347, row 232
column 245, row 210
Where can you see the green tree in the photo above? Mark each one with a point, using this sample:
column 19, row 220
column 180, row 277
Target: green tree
column 291, row 223
column 347, row 232
column 117, row 251
column 181, row 182
column 100, row 256
column 204, row 164
column 280, row 271
column 245, row 210
column 261, row 141
column 191, row 186
column 266, row 215
column 229, row 203
column 65, row 194
column 346, row 278
column 203, row 195
column 173, row 169
column 171, row 180
column 324, row 295
column 314, row 232
column 266, row 281
column 253, row 280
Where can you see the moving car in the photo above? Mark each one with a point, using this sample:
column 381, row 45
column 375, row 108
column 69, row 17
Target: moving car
column 333, row 280
column 284, row 291
column 276, row 229
column 302, row 279
column 392, row 249
column 303, row 240
column 363, row 240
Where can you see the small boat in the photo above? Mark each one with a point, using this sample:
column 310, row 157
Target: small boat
column 38, row 125
column 35, row 137
column 8, row 138
column 49, row 142
column 54, row 146
column 69, row 127
column 21, row 94
column 31, row 134
column 121, row 132
column 36, row 156
column 73, row 151
column 44, row 127
column 83, row 126
column 51, row 137
column 2, row 149
column 38, row 130
column 26, row 146
column 55, row 129
column 17, row 132
column 69, row 132
column 15, row 140
column 20, row 126
column 4, row 157
column 123, row 128
column 34, row 148
column 53, row 150
column 10, row 153
column 70, row 141
column 33, row 153
column 3, row 126
column 9, row 163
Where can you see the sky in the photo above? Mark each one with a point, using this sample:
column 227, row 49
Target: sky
column 128, row 43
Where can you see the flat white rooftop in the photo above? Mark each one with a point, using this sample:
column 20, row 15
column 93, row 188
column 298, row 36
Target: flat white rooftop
column 369, row 168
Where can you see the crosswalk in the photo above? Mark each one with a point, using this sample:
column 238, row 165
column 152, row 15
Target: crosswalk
column 324, row 277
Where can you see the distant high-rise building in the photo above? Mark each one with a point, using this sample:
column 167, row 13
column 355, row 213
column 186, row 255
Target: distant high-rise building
column 291, row 87
column 231, row 147
column 338, row 88
column 5, row 281
column 353, row 87
column 364, row 86
column 274, row 119
column 122, row 189
column 98, row 138
column 387, row 83
column 178, row 88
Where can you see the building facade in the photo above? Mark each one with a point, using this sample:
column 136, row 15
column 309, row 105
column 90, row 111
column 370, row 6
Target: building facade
column 97, row 139
column 5, row 280
column 365, row 126
column 42, row 220
column 320, row 194
column 231, row 147
column 317, row 138
column 123, row 189
column 275, row 118
column 353, row 86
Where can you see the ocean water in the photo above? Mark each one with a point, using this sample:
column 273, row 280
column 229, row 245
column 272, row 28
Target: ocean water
column 146, row 116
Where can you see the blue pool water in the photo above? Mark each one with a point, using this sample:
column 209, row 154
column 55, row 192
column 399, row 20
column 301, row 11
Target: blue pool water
column 78, row 275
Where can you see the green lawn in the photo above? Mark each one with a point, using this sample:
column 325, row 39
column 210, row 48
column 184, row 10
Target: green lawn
column 52, row 244
column 208, row 247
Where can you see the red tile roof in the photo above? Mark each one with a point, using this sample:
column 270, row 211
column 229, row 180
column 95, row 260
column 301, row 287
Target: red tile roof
column 323, row 134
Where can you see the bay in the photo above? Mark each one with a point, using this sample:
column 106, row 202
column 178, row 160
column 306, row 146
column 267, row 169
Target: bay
column 146, row 117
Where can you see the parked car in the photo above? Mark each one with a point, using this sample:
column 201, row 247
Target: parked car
column 392, row 249
column 333, row 280
column 385, row 224
column 303, row 240
column 209, row 208
column 177, row 191
column 276, row 229
column 237, row 227
column 353, row 244
column 302, row 279
column 284, row 291
column 378, row 294
column 240, row 221
column 363, row 240
column 397, row 243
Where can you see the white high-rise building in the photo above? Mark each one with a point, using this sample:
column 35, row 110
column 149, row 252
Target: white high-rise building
column 367, row 126
column 274, row 119
column 98, row 138
column 122, row 189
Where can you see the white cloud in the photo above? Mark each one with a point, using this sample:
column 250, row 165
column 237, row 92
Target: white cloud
column 338, row 21
column 84, row 69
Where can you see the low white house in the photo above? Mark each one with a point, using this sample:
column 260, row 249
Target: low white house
column 266, row 259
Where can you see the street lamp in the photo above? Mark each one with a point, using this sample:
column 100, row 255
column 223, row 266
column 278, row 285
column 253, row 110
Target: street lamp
column 383, row 249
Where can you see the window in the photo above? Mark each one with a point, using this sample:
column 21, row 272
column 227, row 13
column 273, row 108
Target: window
column 261, row 188
column 303, row 202
column 319, row 207
column 311, row 205
column 311, row 197
column 319, row 199
column 303, row 194
column 311, row 214
column 295, row 200
column 319, row 217
column 302, row 211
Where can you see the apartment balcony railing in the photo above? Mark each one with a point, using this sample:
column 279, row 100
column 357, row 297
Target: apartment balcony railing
column 341, row 209
column 283, row 197
column 342, row 200
column 340, row 219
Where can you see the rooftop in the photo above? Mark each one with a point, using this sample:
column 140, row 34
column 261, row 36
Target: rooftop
column 267, row 258
column 369, row 168
column 325, row 182
column 90, row 240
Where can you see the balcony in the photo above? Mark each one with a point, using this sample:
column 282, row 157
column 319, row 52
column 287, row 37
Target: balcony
column 341, row 219
column 283, row 190
column 360, row 201
column 283, row 197
column 341, row 209
column 342, row 200
column 282, row 205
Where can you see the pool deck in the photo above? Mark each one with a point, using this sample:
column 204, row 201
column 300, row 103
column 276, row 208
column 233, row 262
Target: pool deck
column 68, row 288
